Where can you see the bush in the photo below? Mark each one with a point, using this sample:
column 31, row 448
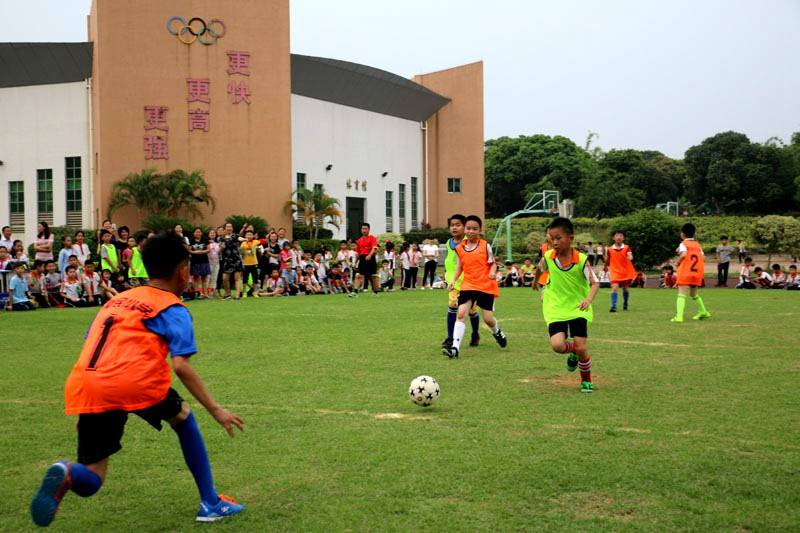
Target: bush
column 310, row 246
column 302, row 231
column 653, row 235
column 259, row 224
column 419, row 235
column 777, row 235
column 157, row 222
column 396, row 238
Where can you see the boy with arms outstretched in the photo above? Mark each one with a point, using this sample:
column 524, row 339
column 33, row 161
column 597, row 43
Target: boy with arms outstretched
column 691, row 269
column 456, row 223
column 567, row 301
column 478, row 286
column 123, row 369
column 619, row 260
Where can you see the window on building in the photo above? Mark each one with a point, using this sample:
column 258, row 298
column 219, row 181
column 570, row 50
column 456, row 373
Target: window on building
column 301, row 180
column 317, row 188
column 389, row 217
column 73, row 190
column 16, row 205
column 454, row 185
column 414, row 224
column 401, row 207
column 44, row 194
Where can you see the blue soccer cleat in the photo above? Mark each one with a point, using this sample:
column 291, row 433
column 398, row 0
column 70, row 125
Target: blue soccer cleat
column 47, row 499
column 226, row 506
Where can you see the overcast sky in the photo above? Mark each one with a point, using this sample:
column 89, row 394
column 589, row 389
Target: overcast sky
column 647, row 74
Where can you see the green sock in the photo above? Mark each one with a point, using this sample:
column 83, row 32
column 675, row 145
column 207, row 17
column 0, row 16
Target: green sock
column 701, row 307
column 681, row 306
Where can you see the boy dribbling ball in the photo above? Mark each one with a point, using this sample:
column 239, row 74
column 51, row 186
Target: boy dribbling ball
column 123, row 369
column 691, row 269
column 567, row 301
column 478, row 286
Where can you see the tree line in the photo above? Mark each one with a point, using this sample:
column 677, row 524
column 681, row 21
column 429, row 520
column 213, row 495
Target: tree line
column 725, row 174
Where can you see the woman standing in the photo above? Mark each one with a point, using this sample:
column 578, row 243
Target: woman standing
column 213, row 262
column 430, row 252
column 199, row 263
column 43, row 246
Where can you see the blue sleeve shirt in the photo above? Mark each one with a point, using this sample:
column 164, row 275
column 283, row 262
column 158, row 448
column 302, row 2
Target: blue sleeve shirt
column 174, row 324
column 19, row 290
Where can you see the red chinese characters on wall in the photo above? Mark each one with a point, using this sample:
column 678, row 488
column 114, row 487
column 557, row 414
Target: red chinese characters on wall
column 155, row 143
column 199, row 90
column 238, row 65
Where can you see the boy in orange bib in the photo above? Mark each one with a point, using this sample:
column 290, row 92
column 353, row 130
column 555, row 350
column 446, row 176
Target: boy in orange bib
column 478, row 286
column 123, row 369
column 619, row 259
column 691, row 269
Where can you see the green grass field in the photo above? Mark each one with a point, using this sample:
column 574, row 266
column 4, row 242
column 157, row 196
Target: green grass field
column 691, row 427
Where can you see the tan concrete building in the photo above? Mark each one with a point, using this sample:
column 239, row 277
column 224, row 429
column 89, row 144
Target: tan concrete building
column 212, row 85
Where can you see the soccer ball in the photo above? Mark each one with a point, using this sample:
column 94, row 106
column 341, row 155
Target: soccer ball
column 424, row 390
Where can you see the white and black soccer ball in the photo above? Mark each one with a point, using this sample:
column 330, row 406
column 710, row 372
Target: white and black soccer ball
column 424, row 390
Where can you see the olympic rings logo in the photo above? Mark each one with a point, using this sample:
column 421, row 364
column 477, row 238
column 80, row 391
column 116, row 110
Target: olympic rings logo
column 196, row 30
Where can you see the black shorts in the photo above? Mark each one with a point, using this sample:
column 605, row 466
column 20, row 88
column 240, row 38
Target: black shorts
column 100, row 434
column 577, row 327
column 367, row 267
column 484, row 300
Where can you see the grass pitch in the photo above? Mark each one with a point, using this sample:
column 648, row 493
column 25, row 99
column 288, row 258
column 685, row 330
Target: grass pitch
column 692, row 426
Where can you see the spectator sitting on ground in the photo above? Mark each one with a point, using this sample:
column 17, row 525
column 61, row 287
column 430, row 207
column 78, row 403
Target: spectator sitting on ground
column 526, row 270
column 511, row 278
column 778, row 277
column 668, row 279
column 72, row 261
column 72, row 289
column 604, row 278
column 640, row 280
column 52, row 284
column 91, row 281
column 275, row 285
column 310, row 283
column 793, row 279
column 322, row 273
column 36, row 285
column 120, row 284
column 386, row 276
column 338, row 280
column 106, row 285
column 19, row 299
column 762, row 278
column 744, row 275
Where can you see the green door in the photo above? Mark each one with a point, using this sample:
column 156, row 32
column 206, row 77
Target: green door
column 355, row 216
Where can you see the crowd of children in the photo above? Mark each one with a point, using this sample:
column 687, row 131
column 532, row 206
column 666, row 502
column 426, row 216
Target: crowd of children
column 230, row 265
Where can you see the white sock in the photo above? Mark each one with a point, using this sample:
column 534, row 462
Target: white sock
column 458, row 334
column 496, row 327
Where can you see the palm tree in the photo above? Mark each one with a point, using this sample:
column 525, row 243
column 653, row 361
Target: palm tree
column 185, row 191
column 315, row 208
column 137, row 189
column 151, row 192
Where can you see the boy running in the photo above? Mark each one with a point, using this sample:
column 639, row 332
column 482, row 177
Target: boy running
column 691, row 268
column 456, row 223
column 619, row 260
column 567, row 302
column 123, row 369
column 478, row 286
